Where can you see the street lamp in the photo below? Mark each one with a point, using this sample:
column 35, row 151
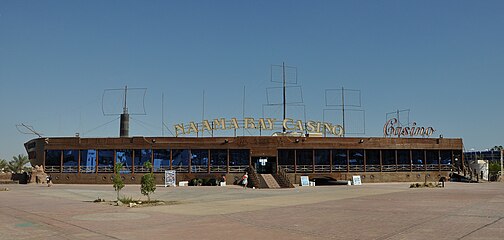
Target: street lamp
column 502, row 170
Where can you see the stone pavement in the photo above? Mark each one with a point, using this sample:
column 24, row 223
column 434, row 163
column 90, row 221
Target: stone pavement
column 370, row 211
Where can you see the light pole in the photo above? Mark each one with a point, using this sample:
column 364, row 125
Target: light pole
column 502, row 167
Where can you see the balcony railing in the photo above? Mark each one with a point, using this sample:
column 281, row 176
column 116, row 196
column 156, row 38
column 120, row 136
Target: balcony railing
column 304, row 168
column 322, row 168
column 70, row 169
column 339, row 168
column 218, row 168
column 238, row 168
column 372, row 168
column 287, row 168
column 52, row 169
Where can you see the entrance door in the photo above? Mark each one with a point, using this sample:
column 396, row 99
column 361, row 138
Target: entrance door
column 265, row 165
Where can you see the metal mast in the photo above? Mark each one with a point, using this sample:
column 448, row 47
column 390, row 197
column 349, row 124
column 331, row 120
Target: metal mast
column 284, row 99
column 124, row 124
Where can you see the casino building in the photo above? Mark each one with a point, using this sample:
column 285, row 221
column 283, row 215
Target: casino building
column 406, row 154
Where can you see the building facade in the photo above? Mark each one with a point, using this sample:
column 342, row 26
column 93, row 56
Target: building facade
column 391, row 159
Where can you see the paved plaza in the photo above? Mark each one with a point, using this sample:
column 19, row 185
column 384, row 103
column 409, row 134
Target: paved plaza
column 370, row 211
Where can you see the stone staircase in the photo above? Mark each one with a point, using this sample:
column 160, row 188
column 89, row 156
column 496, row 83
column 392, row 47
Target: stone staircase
column 270, row 181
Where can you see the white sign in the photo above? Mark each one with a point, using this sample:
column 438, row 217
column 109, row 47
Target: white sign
column 356, row 180
column 305, row 181
column 170, row 178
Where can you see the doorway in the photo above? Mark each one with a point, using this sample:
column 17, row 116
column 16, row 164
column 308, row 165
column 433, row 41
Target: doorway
column 265, row 165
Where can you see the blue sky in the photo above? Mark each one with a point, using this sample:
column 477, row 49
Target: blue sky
column 443, row 60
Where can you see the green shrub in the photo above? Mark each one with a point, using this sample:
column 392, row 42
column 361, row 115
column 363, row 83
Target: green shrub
column 117, row 180
column 148, row 182
column 127, row 200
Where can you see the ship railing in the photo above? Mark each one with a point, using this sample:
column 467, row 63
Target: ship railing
column 141, row 169
column 161, row 168
column 304, row 168
column 105, row 169
column 446, row 167
column 417, row 167
column 356, row 168
column 52, row 169
column 126, row 170
column 70, row 169
column 238, row 168
column 372, row 168
column 180, row 168
column 287, row 168
column 432, row 166
column 339, row 168
column 389, row 168
column 403, row 167
column 322, row 168
column 218, row 168
column 87, row 169
column 199, row 168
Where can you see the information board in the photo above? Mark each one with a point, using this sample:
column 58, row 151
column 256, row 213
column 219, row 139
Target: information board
column 357, row 180
column 305, row 181
column 170, row 178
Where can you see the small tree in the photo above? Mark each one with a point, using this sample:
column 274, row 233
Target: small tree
column 148, row 182
column 117, row 180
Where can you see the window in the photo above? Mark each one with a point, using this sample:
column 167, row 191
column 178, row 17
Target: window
column 432, row 157
column 446, row 157
column 105, row 161
column 356, row 157
column 304, row 160
column 388, row 157
column 372, row 157
column 161, row 160
column 53, row 158
column 141, row 157
column 218, row 157
column 88, row 161
column 322, row 157
column 53, row 161
column 125, row 157
column 199, row 160
column 403, row 157
column 286, row 157
column 304, row 157
column 239, row 157
column 340, row 157
column 180, row 159
column 418, row 157
column 70, row 160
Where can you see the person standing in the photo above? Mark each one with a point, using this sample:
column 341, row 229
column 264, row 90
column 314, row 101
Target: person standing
column 245, row 180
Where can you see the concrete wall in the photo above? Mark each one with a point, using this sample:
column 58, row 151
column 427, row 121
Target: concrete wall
column 376, row 177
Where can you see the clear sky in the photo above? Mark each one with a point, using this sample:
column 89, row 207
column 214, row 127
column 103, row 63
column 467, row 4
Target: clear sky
column 443, row 60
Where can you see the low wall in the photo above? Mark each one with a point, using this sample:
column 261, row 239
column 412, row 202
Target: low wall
column 106, row 178
column 367, row 177
column 377, row 177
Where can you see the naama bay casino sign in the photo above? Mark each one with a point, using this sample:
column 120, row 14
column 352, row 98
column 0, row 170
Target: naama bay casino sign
column 259, row 124
column 392, row 128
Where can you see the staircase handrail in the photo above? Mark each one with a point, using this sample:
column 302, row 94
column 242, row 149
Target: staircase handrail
column 255, row 181
column 283, row 174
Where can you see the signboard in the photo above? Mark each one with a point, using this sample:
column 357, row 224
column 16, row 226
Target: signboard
column 170, row 178
column 305, row 181
column 356, row 180
column 393, row 128
column 261, row 123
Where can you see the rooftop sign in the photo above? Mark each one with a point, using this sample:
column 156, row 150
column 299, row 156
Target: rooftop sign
column 259, row 124
column 392, row 128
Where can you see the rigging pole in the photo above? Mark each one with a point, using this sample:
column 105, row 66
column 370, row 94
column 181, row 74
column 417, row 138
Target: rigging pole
column 284, row 99
column 124, row 124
